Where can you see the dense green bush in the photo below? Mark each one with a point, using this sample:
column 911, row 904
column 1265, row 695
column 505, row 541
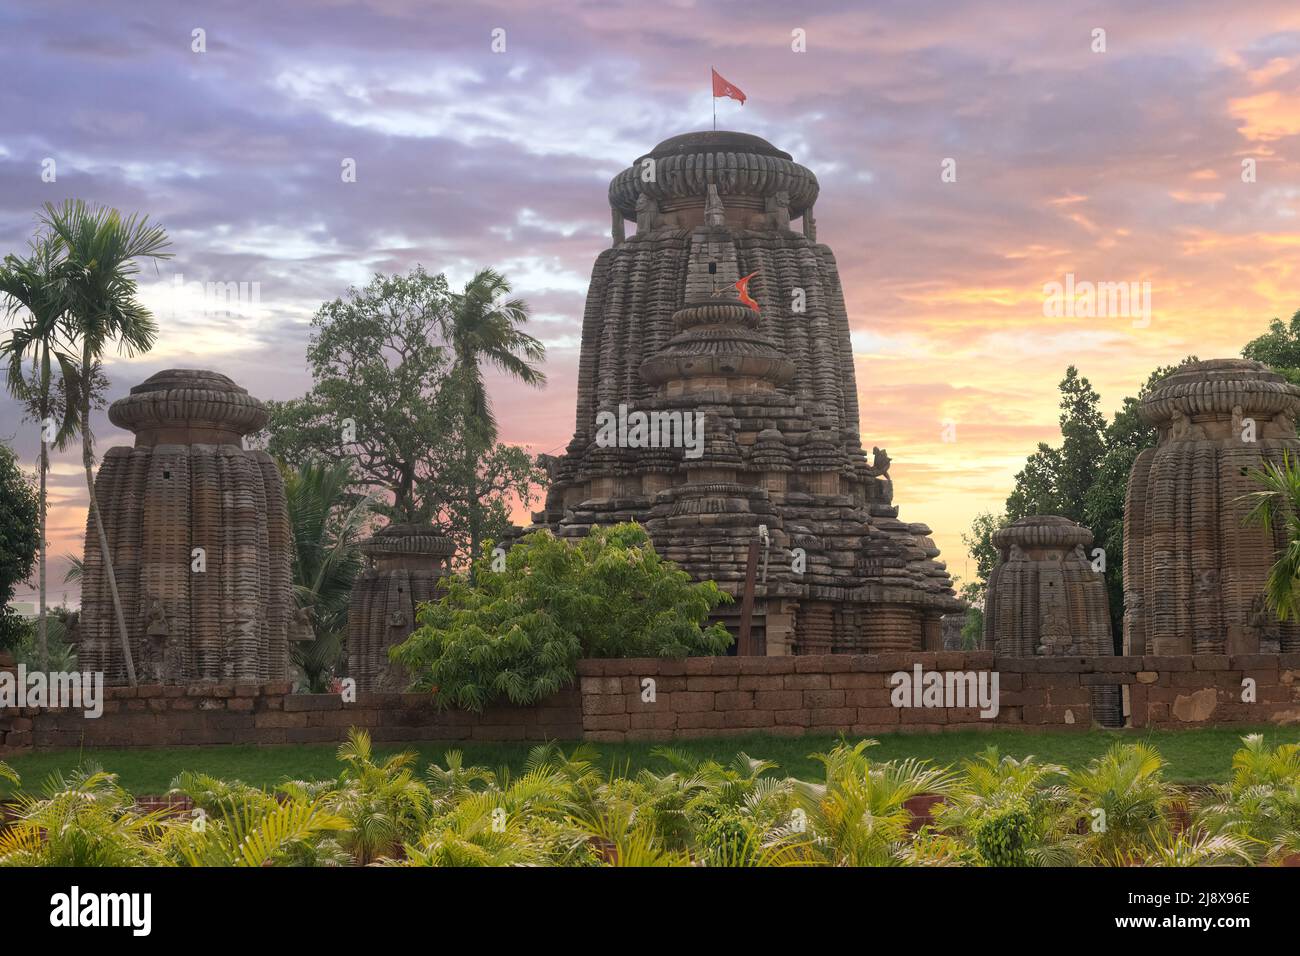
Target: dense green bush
column 517, row 633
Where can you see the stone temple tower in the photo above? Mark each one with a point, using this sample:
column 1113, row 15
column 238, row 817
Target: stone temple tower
column 1193, row 574
column 409, row 561
column 1045, row 599
column 200, row 540
column 752, row 406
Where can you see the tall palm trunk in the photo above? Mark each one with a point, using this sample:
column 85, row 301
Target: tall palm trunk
column 42, row 632
column 88, row 460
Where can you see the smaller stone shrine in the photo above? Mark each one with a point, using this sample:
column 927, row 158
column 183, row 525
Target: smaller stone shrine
column 1045, row 599
column 408, row 564
column 198, row 530
column 1194, row 571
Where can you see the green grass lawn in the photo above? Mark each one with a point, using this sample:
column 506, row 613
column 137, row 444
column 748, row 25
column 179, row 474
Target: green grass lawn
column 1194, row 756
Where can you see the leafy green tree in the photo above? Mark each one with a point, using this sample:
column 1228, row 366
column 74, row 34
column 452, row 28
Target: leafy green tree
column 19, row 539
column 473, row 484
column 1055, row 480
column 398, row 393
column 97, row 275
column 33, row 291
column 377, row 400
column 1279, row 348
column 1083, row 443
column 327, row 524
column 518, row 633
column 979, row 542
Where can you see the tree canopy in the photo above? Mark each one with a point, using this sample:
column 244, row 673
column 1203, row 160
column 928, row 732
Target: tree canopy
column 1279, row 347
column 19, row 539
column 397, row 396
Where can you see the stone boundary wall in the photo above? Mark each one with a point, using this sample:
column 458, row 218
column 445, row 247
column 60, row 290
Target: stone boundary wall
column 829, row 694
column 697, row 697
column 171, row 716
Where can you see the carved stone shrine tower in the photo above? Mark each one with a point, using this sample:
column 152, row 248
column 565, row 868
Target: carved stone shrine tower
column 1194, row 575
column 199, row 535
column 409, row 562
column 752, row 408
column 1045, row 599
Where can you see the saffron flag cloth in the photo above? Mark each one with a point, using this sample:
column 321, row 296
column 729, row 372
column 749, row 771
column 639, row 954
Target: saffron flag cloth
column 722, row 88
column 742, row 287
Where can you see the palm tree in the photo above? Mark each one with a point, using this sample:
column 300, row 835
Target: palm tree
column 1261, row 803
column 384, row 803
column 1277, row 506
column 1014, row 812
column 97, row 276
column 482, row 326
column 86, row 819
column 859, row 816
column 32, row 286
column 327, row 526
column 1123, row 797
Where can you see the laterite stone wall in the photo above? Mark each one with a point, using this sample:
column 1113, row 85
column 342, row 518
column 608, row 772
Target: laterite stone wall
column 697, row 697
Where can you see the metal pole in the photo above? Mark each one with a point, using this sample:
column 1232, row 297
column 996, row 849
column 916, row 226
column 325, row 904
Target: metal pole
column 745, row 645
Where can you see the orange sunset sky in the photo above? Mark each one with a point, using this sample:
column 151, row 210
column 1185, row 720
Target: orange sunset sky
column 1117, row 166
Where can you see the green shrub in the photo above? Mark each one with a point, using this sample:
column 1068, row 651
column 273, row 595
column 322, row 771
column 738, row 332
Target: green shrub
column 518, row 633
column 1003, row 839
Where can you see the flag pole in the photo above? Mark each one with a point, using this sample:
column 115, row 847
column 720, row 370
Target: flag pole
column 715, row 100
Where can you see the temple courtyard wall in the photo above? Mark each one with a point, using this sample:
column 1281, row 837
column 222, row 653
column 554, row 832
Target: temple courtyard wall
column 696, row 697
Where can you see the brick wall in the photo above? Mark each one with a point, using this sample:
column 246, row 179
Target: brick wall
column 158, row 716
column 698, row 697
column 792, row 696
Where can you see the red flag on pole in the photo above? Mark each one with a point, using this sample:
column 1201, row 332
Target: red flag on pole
column 722, row 88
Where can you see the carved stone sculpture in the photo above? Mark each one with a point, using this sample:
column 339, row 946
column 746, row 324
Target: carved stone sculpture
column 199, row 536
column 617, row 232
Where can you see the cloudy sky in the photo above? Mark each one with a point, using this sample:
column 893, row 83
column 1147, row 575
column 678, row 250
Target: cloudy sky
column 1117, row 166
